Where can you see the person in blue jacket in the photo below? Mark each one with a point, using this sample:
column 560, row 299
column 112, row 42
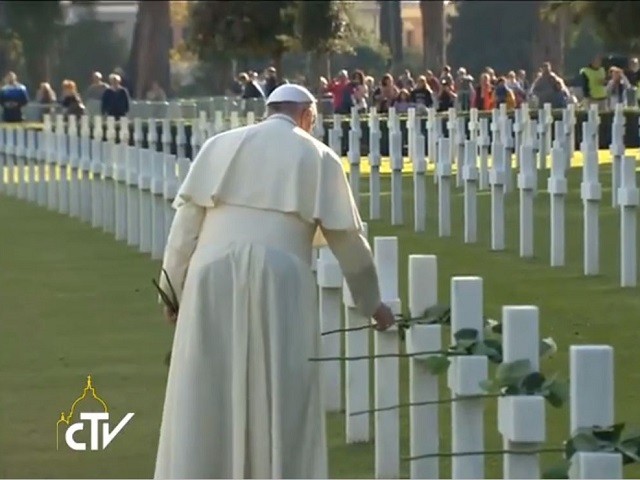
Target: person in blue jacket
column 13, row 96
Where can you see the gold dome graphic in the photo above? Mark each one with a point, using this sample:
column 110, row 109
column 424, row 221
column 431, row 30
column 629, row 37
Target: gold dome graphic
column 66, row 419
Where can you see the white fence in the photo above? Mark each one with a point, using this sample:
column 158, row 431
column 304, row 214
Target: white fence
column 127, row 190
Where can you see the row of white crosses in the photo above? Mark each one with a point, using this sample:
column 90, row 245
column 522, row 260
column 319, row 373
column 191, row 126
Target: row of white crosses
column 123, row 189
column 531, row 143
column 521, row 419
column 68, row 168
column 502, row 129
column 73, row 151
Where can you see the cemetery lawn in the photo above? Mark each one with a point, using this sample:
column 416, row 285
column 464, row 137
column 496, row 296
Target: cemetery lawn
column 75, row 302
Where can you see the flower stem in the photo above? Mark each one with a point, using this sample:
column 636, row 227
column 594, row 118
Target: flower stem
column 381, row 355
column 488, row 452
column 401, row 322
column 428, row 402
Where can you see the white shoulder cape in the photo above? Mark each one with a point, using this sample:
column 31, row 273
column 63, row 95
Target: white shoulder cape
column 273, row 165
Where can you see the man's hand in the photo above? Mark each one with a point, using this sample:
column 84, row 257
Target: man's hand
column 384, row 317
column 170, row 315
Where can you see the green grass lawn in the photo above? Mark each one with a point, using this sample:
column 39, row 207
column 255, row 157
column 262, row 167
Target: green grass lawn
column 75, row 302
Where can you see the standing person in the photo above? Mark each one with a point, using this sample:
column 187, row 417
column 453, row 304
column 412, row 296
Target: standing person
column 71, row 101
column 13, row 96
column 358, row 92
column 433, row 82
column 251, row 88
column 464, row 89
column 422, row 96
column 337, row 88
column 115, row 99
column 617, row 88
column 594, row 83
column 484, row 98
column 243, row 400
column 517, row 88
column 633, row 75
column 270, row 81
column 544, row 86
column 447, row 97
column 97, row 87
column 385, row 94
column 521, row 77
column 503, row 94
column 155, row 93
column 47, row 100
column 402, row 103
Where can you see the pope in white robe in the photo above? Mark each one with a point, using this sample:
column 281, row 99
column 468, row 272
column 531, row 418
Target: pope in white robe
column 243, row 400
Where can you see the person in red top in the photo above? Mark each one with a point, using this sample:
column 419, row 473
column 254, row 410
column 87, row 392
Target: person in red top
column 484, row 96
column 337, row 88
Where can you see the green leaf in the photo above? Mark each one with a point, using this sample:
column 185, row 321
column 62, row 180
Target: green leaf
column 629, row 446
column 532, row 383
column 556, row 393
column 583, row 441
column 511, row 390
column 560, row 470
column 496, row 347
column 629, row 453
column 609, row 434
column 466, row 337
column 466, row 334
column 508, row 373
column 437, row 364
column 438, row 314
column 489, row 386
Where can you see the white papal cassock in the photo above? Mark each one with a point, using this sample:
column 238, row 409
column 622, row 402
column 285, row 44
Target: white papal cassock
column 242, row 399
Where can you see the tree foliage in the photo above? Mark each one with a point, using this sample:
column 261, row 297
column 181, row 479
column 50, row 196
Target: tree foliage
column 37, row 25
column 615, row 22
column 321, row 26
column 242, row 28
column 78, row 46
column 493, row 33
column 267, row 29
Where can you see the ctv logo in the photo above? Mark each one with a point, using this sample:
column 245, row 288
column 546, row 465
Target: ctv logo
column 93, row 428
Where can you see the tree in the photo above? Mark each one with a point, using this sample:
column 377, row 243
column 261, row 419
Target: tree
column 150, row 49
column 432, row 13
column 391, row 29
column 493, row 33
column 243, row 28
column 322, row 28
column 79, row 44
column 615, row 22
column 548, row 43
column 37, row 25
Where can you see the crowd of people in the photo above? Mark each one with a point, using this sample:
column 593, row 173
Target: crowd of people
column 113, row 97
column 442, row 91
column 460, row 90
